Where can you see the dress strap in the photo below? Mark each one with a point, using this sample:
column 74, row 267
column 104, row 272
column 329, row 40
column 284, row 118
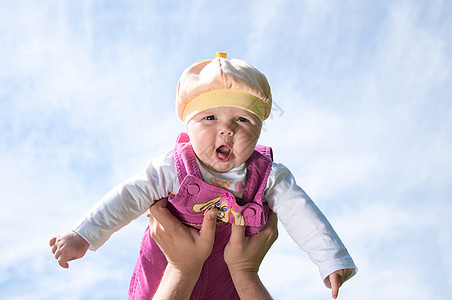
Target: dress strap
column 184, row 158
column 258, row 169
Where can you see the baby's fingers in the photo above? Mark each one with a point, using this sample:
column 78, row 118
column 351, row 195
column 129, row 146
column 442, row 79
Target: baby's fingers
column 335, row 284
column 62, row 261
column 52, row 241
column 60, row 252
column 54, row 249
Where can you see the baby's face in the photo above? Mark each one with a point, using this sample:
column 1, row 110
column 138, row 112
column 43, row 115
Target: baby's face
column 224, row 137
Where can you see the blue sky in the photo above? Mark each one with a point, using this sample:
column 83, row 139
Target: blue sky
column 363, row 120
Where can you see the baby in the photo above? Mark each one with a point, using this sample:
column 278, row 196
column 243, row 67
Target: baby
column 215, row 164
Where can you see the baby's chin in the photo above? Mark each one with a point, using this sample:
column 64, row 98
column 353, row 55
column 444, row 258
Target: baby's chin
column 221, row 167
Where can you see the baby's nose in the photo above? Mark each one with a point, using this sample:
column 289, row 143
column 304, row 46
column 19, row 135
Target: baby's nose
column 226, row 132
column 228, row 129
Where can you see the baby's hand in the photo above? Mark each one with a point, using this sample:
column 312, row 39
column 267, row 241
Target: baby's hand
column 68, row 246
column 337, row 279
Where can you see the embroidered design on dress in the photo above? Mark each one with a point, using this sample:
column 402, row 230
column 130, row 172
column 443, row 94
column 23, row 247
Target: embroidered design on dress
column 223, row 210
column 220, row 183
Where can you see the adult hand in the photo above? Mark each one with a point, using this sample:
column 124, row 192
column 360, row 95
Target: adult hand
column 244, row 254
column 178, row 241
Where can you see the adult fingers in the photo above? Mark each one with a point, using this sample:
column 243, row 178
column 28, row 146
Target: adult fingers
column 155, row 228
column 151, row 221
column 271, row 227
column 162, row 202
column 158, row 204
column 272, row 220
column 162, row 215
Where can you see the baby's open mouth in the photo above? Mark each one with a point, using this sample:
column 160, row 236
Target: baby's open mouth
column 223, row 153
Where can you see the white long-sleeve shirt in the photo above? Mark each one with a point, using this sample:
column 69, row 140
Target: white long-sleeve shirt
column 304, row 222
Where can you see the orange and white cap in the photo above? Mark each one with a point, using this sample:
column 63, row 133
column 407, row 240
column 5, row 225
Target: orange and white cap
column 221, row 82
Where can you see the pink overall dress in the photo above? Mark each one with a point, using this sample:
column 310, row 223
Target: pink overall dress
column 195, row 197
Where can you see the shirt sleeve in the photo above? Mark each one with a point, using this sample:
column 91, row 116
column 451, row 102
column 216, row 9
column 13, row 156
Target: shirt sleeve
column 128, row 201
column 306, row 224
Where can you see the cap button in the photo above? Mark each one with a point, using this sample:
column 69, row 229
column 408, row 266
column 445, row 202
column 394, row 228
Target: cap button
column 221, row 54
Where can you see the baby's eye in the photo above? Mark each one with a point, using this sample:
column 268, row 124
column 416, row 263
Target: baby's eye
column 210, row 118
column 242, row 119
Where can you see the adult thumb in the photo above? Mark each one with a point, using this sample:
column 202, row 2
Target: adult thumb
column 237, row 234
column 209, row 224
